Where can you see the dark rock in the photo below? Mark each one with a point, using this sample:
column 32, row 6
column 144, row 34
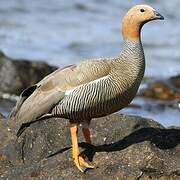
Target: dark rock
column 6, row 134
column 16, row 75
column 124, row 147
column 175, row 81
column 1, row 116
column 168, row 89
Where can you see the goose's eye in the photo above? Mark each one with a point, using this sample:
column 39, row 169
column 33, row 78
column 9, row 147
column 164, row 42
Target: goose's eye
column 142, row 10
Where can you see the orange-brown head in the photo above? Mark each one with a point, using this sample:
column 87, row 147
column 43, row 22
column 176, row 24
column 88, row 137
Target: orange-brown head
column 135, row 18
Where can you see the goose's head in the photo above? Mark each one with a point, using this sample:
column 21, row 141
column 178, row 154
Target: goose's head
column 135, row 18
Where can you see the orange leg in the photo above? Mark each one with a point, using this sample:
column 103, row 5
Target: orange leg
column 77, row 158
column 87, row 134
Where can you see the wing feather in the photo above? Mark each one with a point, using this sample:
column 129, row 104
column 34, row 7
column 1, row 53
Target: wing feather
column 51, row 90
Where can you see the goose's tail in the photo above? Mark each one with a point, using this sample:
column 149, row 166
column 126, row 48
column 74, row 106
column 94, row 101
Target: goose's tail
column 26, row 125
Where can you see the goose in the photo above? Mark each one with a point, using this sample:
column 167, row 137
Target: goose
column 90, row 89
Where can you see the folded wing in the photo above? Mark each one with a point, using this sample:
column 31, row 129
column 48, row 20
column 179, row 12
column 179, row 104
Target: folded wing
column 39, row 99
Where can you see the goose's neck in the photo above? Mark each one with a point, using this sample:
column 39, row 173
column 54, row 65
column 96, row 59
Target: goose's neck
column 132, row 51
column 132, row 47
column 131, row 29
column 128, row 69
column 131, row 62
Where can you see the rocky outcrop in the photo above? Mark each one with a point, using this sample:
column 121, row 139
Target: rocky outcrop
column 124, row 147
column 16, row 75
column 167, row 90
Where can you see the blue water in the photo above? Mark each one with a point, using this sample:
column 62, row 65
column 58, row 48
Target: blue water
column 65, row 32
column 163, row 112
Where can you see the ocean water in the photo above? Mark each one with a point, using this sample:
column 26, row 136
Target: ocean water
column 65, row 32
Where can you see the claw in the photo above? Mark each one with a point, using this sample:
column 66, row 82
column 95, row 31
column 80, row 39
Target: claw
column 85, row 163
column 77, row 163
column 82, row 164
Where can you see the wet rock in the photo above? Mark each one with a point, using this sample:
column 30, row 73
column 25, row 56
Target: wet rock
column 124, row 147
column 8, row 153
column 1, row 116
column 175, row 81
column 163, row 90
column 16, row 75
column 5, row 131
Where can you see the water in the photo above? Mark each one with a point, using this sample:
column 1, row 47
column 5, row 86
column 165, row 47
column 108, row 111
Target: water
column 66, row 32
column 6, row 106
column 166, row 113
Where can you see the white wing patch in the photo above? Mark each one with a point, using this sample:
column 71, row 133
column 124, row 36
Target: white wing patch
column 70, row 91
column 91, row 82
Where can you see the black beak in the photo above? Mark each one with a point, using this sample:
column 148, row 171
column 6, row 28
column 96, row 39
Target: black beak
column 158, row 16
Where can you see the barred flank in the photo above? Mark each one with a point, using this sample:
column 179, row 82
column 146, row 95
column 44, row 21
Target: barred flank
column 109, row 94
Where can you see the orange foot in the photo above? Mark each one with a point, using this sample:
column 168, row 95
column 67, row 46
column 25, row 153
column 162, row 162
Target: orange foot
column 82, row 164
